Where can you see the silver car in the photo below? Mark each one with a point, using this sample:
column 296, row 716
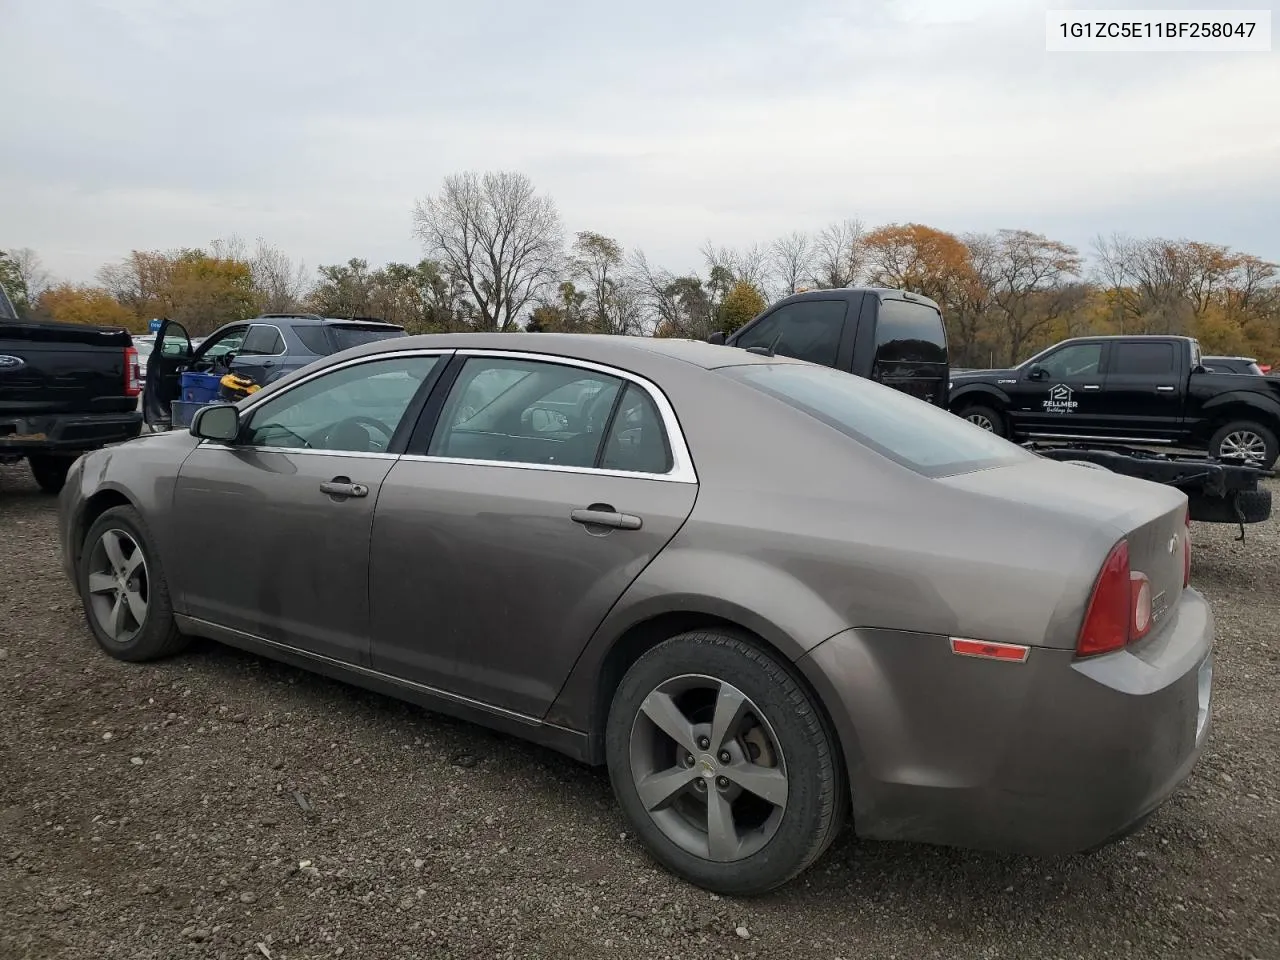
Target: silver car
column 769, row 596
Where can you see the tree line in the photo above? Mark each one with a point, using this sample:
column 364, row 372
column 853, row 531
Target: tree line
column 496, row 257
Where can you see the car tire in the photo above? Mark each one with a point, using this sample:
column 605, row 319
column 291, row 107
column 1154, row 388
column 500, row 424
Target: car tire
column 1255, row 507
column 781, row 742
column 1230, row 441
column 124, row 591
column 986, row 418
column 50, row 471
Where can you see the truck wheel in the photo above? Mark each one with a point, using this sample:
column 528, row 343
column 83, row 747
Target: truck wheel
column 1244, row 441
column 50, row 472
column 1255, row 507
column 986, row 418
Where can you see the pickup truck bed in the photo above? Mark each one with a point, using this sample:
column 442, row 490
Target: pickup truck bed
column 64, row 389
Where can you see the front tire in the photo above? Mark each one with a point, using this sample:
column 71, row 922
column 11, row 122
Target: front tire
column 722, row 763
column 1243, row 441
column 986, row 418
column 50, row 471
column 124, row 590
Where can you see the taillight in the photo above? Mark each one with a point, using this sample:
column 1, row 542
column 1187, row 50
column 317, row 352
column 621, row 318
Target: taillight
column 132, row 373
column 1186, row 553
column 1106, row 624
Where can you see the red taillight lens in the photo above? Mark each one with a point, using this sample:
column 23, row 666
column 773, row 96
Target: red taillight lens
column 132, row 374
column 1106, row 624
column 1186, row 553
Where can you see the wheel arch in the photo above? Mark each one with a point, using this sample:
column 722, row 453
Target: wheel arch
column 1238, row 405
column 90, row 510
column 975, row 394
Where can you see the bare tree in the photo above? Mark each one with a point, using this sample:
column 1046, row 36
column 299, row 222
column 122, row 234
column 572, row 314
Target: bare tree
column 281, row 284
column 678, row 306
column 838, row 253
column 597, row 262
column 1031, row 288
column 792, row 259
column 498, row 235
column 31, row 272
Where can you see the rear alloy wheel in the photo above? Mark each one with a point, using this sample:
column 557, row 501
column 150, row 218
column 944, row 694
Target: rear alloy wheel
column 1245, row 442
column 123, row 589
column 986, row 418
column 722, row 764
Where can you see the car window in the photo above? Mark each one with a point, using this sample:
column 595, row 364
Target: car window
column 916, row 434
column 224, row 344
column 354, row 409
column 909, row 332
column 525, row 411
column 262, row 341
column 344, row 338
column 1150, row 359
column 637, row 439
column 808, row 330
column 1077, row 360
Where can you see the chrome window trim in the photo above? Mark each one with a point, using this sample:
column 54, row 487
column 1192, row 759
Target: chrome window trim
column 280, row 333
column 682, row 469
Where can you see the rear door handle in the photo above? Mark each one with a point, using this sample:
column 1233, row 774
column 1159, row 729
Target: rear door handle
column 342, row 488
column 1165, row 389
column 1091, row 386
column 600, row 516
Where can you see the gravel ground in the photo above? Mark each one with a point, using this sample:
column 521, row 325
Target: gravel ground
column 219, row 805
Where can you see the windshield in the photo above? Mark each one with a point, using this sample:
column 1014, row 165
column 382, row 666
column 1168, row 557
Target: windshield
column 908, row 431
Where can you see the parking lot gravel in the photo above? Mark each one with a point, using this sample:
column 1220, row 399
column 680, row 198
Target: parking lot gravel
column 220, row 805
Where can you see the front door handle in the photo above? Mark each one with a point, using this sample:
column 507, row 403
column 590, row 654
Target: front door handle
column 342, row 488
column 1091, row 386
column 602, row 515
column 1165, row 389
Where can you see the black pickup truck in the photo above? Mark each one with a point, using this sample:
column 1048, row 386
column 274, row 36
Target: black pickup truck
column 65, row 388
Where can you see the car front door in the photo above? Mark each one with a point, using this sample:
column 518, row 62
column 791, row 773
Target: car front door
column 509, row 529
column 1061, row 393
column 275, row 528
column 1145, row 389
column 168, row 358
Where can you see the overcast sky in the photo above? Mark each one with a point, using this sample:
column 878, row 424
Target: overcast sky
column 163, row 123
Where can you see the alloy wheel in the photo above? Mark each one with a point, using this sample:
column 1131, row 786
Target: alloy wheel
column 708, row 768
column 981, row 420
column 1243, row 445
column 119, row 585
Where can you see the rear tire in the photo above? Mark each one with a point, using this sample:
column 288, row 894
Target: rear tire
column 124, row 590
column 986, row 418
column 1255, row 507
column 698, row 817
column 1244, row 441
column 50, row 471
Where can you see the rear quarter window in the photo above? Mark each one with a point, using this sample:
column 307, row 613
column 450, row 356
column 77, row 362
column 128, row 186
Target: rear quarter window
column 910, row 432
column 324, row 339
column 909, row 332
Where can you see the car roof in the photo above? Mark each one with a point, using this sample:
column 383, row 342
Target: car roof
column 601, row 347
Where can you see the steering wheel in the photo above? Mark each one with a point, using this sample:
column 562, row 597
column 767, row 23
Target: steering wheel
column 363, row 421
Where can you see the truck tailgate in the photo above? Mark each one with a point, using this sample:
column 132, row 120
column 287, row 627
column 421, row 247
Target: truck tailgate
column 53, row 369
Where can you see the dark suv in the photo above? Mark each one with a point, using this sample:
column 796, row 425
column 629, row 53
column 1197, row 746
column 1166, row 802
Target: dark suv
column 263, row 349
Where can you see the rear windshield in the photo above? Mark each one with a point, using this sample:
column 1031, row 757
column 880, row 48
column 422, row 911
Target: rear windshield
column 332, row 338
column 915, row 434
column 909, row 332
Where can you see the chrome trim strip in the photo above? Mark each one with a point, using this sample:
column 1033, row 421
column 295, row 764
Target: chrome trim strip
column 302, row 451
column 1081, row 436
column 553, row 468
column 374, row 674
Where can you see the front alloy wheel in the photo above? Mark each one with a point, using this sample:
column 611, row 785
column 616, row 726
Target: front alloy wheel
column 1243, row 445
column 981, row 420
column 708, row 768
column 118, row 585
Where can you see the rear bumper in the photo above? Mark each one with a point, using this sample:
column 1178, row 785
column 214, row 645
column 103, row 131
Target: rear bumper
column 1055, row 755
column 66, row 434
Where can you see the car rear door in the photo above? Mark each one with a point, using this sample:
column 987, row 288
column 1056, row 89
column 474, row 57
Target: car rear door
column 274, row 528
column 1144, row 389
column 261, row 355
column 502, row 538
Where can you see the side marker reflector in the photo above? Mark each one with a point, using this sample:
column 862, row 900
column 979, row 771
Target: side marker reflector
column 1012, row 652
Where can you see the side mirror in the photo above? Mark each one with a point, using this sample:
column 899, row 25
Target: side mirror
column 1201, row 368
column 217, row 421
column 1037, row 372
column 716, row 338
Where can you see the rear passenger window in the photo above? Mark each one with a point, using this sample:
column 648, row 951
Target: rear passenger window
column 262, row 341
column 909, row 332
column 1149, row 359
column 808, row 330
column 637, row 440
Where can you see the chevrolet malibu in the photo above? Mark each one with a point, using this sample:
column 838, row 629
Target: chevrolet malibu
column 769, row 596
